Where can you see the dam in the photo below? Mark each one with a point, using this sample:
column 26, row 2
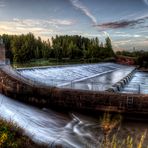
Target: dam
column 73, row 87
column 84, row 87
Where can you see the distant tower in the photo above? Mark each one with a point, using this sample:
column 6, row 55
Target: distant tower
column 2, row 52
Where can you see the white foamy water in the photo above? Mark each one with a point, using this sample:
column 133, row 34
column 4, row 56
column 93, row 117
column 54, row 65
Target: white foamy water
column 85, row 76
column 138, row 84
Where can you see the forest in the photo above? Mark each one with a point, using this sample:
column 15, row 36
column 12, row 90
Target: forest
column 23, row 48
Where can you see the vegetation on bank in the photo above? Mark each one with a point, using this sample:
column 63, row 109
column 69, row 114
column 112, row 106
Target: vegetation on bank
column 27, row 51
column 24, row 48
column 52, row 62
column 110, row 125
column 12, row 137
column 140, row 57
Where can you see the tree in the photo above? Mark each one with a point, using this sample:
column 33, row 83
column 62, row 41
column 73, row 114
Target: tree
column 108, row 43
column 109, row 49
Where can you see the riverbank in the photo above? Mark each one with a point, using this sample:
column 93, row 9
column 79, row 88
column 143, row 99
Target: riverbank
column 13, row 136
column 53, row 62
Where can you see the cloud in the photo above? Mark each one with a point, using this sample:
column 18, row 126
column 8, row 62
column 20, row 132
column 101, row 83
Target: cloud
column 77, row 4
column 2, row 4
column 126, row 35
column 30, row 22
column 61, row 22
column 106, row 34
column 122, row 23
column 43, row 28
column 146, row 2
column 140, row 44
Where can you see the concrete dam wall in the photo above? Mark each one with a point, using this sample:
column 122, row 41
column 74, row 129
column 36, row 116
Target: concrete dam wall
column 15, row 86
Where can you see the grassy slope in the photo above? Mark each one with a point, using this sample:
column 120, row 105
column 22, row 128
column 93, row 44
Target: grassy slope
column 12, row 136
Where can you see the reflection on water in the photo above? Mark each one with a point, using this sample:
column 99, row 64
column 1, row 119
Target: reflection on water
column 72, row 130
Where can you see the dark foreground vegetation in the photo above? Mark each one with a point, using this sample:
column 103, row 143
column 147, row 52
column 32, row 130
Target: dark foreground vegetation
column 25, row 48
column 12, row 137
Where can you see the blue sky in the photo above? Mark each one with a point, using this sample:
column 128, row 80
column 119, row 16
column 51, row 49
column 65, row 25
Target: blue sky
column 124, row 21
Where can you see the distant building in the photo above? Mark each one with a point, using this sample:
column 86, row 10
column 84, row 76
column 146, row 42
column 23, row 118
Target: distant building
column 2, row 52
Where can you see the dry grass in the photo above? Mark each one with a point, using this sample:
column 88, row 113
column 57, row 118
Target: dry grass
column 108, row 123
column 12, row 137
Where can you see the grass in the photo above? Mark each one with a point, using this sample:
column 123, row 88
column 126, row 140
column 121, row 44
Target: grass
column 12, row 137
column 46, row 62
column 52, row 62
column 108, row 123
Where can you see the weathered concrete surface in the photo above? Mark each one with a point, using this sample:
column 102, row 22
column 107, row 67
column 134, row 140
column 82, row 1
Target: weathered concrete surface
column 14, row 86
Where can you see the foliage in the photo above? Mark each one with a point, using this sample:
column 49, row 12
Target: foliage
column 23, row 48
column 108, row 123
column 140, row 56
column 12, row 136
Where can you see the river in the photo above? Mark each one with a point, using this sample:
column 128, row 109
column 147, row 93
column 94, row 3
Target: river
column 72, row 130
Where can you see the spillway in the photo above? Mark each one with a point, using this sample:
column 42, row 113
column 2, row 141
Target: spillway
column 138, row 84
column 94, row 77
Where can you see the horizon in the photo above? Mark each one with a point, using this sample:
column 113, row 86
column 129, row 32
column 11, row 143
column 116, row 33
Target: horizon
column 124, row 22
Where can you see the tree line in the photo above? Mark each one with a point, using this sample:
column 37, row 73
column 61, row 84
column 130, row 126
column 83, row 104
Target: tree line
column 141, row 57
column 23, row 48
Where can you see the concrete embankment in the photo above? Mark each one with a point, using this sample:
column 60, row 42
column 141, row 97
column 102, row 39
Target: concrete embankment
column 12, row 85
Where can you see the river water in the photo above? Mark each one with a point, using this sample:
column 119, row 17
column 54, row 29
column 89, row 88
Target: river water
column 71, row 130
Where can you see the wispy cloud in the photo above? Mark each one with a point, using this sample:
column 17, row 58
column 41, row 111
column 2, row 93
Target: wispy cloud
column 140, row 44
column 77, row 4
column 106, row 34
column 122, row 23
column 30, row 22
column 126, row 35
column 146, row 2
column 2, row 4
column 44, row 28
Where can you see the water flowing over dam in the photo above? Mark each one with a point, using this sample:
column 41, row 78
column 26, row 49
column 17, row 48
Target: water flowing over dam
column 138, row 84
column 94, row 77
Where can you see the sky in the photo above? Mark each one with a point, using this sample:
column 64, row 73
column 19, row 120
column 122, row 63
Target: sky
column 124, row 21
